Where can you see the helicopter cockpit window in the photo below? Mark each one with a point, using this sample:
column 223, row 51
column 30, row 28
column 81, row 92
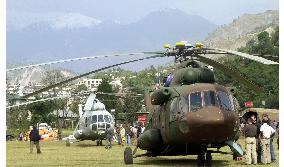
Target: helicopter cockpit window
column 100, row 118
column 107, row 118
column 94, row 118
column 195, row 101
column 224, row 100
column 209, row 98
column 183, row 104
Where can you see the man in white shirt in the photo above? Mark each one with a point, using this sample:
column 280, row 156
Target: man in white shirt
column 266, row 132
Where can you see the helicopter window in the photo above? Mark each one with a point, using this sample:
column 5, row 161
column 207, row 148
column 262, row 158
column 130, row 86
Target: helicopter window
column 195, row 101
column 100, row 118
column 107, row 118
column 183, row 104
column 174, row 105
column 94, row 118
column 209, row 98
column 224, row 100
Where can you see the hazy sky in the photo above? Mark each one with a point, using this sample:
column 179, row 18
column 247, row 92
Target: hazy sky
column 126, row 11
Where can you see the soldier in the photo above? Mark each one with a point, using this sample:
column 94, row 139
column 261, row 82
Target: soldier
column 250, row 131
column 34, row 139
column 110, row 132
column 266, row 133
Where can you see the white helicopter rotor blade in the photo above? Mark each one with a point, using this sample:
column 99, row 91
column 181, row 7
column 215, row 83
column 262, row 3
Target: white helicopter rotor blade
column 80, row 106
column 90, row 101
column 248, row 56
column 70, row 60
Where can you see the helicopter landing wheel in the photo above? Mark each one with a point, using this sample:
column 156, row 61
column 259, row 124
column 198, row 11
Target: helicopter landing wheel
column 128, row 156
column 201, row 160
column 208, row 161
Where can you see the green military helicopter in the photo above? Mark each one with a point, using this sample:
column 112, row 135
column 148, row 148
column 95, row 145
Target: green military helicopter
column 191, row 113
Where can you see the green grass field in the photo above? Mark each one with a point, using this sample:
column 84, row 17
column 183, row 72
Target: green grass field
column 86, row 153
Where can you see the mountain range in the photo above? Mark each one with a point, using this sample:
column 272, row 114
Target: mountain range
column 77, row 35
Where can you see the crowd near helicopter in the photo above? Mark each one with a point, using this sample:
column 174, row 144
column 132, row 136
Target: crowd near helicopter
column 190, row 114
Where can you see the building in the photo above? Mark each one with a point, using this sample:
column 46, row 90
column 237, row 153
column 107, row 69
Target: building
column 91, row 84
column 116, row 83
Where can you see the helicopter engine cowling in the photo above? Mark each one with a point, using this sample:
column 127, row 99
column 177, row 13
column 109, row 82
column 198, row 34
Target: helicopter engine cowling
column 158, row 97
column 150, row 139
column 187, row 76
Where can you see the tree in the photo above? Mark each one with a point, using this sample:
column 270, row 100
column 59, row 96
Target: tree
column 80, row 88
column 42, row 112
column 264, row 45
column 17, row 118
column 109, row 100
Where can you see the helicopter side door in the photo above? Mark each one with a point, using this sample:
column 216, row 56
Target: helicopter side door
column 169, row 112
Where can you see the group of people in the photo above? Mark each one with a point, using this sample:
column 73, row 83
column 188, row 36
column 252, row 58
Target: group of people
column 259, row 140
column 126, row 134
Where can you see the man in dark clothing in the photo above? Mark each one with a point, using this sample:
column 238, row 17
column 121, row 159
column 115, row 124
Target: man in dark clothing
column 109, row 136
column 34, row 139
column 128, row 135
column 250, row 131
column 139, row 130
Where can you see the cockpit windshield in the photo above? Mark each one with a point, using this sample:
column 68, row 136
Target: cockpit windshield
column 107, row 118
column 224, row 100
column 100, row 118
column 209, row 98
column 94, row 118
column 195, row 101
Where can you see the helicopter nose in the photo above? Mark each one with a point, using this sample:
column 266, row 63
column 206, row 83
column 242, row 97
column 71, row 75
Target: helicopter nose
column 210, row 124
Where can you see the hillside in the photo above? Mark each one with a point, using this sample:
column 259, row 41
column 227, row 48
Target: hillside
column 34, row 75
column 242, row 29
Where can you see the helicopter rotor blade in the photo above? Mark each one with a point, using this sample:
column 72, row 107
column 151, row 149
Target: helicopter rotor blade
column 70, row 60
column 88, row 73
column 155, row 52
column 248, row 56
column 231, row 72
column 36, row 101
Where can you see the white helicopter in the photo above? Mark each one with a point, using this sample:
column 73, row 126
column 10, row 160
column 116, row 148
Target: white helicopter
column 93, row 123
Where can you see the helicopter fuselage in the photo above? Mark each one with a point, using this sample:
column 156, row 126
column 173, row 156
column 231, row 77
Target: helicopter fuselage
column 93, row 124
column 192, row 117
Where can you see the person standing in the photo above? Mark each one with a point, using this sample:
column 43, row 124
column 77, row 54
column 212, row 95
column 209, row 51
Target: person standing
column 250, row 131
column 134, row 135
column 122, row 135
column 34, row 139
column 142, row 128
column 109, row 136
column 257, row 123
column 266, row 132
column 139, row 129
column 118, row 134
column 128, row 135
column 270, row 123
